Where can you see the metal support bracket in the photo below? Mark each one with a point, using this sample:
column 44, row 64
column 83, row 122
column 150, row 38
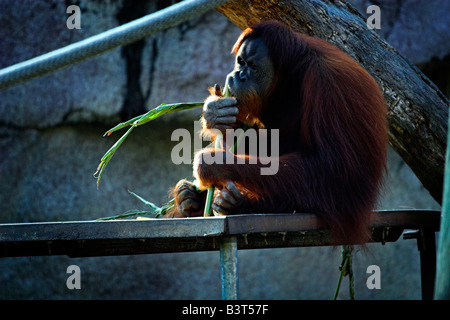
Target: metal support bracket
column 426, row 244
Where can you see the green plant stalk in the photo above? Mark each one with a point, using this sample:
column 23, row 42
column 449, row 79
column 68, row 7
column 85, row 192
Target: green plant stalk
column 137, row 121
column 154, row 209
column 218, row 142
column 341, row 274
column 209, row 195
column 346, row 269
column 127, row 214
column 140, row 120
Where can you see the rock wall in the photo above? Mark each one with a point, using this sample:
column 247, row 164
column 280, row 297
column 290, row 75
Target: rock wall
column 51, row 143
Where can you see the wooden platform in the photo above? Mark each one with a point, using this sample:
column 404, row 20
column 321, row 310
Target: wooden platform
column 227, row 234
column 122, row 237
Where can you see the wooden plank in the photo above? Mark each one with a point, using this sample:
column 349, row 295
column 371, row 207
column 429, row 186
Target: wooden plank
column 107, row 247
column 114, row 247
column 122, row 237
column 113, row 229
column 407, row 219
column 289, row 222
column 277, row 222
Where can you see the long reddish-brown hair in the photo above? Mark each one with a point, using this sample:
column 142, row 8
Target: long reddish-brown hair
column 337, row 112
column 331, row 118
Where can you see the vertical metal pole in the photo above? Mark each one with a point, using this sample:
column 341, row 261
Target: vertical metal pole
column 427, row 248
column 229, row 268
column 442, row 288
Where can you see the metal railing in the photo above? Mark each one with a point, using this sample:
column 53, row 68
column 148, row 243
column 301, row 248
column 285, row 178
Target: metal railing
column 108, row 40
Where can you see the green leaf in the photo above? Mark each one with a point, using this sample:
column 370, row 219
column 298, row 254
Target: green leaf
column 130, row 213
column 156, row 113
column 155, row 210
column 139, row 120
column 148, row 203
